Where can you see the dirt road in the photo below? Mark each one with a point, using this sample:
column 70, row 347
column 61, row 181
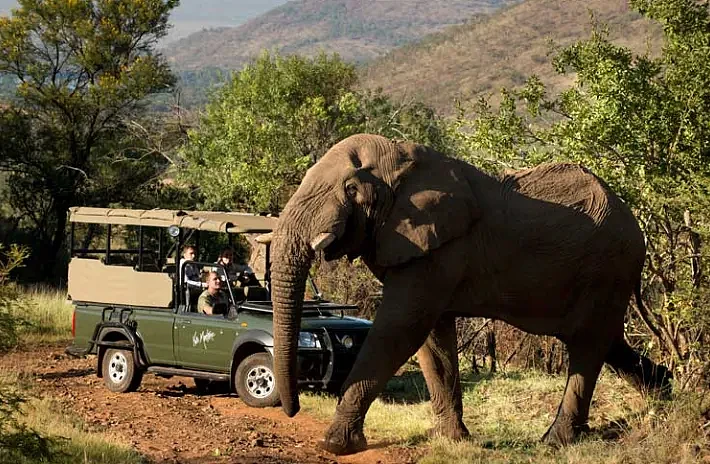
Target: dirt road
column 169, row 422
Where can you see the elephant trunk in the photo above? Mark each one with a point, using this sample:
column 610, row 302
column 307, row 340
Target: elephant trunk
column 289, row 269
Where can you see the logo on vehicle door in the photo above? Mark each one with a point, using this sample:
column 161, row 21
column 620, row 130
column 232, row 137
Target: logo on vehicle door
column 203, row 337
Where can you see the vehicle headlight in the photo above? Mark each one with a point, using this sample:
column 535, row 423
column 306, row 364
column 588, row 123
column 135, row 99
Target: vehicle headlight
column 347, row 341
column 308, row 340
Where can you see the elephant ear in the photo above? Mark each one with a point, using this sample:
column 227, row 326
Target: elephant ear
column 433, row 203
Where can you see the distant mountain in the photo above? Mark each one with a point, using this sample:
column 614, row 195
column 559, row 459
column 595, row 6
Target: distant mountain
column 502, row 49
column 359, row 30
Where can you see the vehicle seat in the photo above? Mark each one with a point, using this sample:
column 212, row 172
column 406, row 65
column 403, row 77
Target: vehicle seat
column 170, row 270
column 239, row 293
column 149, row 267
column 256, row 293
column 192, row 294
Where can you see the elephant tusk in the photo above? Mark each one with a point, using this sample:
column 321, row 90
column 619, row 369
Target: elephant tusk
column 322, row 240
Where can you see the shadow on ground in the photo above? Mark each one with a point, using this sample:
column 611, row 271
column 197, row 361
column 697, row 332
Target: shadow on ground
column 409, row 386
column 610, row 432
column 71, row 373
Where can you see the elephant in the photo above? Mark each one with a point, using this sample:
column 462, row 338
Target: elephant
column 551, row 250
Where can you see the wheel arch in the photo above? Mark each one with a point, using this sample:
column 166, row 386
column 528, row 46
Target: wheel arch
column 114, row 334
column 251, row 342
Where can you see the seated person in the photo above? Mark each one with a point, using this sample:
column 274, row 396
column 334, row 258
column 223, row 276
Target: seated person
column 191, row 273
column 241, row 273
column 213, row 300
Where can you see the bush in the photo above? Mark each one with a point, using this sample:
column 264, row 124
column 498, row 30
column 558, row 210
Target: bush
column 15, row 438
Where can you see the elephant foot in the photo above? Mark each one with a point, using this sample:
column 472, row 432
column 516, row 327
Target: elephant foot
column 455, row 430
column 341, row 440
column 563, row 432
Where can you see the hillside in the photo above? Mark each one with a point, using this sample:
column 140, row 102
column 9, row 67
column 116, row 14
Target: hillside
column 359, row 30
column 501, row 50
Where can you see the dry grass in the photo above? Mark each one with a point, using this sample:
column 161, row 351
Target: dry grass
column 508, row 413
column 49, row 314
column 66, row 436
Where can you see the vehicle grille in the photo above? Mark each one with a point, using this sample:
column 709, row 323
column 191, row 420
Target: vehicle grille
column 344, row 358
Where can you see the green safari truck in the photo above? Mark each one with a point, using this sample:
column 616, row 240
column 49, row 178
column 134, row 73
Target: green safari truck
column 136, row 310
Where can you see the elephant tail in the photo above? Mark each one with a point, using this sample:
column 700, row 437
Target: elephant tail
column 637, row 294
column 643, row 313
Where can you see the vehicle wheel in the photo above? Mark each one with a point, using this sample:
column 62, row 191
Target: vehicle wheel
column 119, row 371
column 255, row 381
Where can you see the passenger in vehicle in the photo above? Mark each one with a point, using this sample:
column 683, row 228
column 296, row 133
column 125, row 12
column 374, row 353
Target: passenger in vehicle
column 191, row 273
column 236, row 272
column 213, row 300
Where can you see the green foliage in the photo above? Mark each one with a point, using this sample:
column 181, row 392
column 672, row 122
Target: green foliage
column 642, row 124
column 83, row 68
column 279, row 116
column 196, row 86
column 10, row 322
column 258, row 133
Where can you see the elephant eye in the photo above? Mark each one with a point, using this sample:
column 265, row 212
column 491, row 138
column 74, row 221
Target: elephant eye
column 351, row 190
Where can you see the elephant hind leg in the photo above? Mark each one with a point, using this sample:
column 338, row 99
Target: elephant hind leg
column 643, row 373
column 585, row 362
column 439, row 361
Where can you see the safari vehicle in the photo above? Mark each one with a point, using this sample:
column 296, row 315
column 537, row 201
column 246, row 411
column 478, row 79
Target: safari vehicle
column 133, row 311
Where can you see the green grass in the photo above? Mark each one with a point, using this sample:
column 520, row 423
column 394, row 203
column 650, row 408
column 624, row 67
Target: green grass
column 60, row 436
column 508, row 413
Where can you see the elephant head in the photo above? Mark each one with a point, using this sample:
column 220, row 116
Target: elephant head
column 368, row 196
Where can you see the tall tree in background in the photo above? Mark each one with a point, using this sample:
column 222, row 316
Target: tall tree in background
column 276, row 118
column 82, row 67
column 642, row 123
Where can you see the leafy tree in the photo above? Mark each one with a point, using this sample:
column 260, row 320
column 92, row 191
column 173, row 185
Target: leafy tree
column 276, row 118
column 83, row 68
column 643, row 124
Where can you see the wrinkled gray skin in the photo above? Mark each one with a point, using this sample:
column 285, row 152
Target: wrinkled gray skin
column 550, row 250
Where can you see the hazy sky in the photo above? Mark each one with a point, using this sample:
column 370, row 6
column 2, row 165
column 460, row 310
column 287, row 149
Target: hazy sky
column 194, row 15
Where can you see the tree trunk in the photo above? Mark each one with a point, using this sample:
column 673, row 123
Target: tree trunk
column 491, row 348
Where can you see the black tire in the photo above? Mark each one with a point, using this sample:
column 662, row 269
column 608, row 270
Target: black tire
column 119, row 371
column 255, row 381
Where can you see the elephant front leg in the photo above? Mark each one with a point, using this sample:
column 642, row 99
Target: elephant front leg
column 387, row 347
column 406, row 316
column 438, row 359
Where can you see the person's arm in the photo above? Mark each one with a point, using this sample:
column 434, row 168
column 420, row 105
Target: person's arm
column 205, row 304
column 192, row 276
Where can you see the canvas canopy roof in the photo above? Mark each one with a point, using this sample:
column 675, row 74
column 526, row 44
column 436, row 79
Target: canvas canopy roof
column 213, row 221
